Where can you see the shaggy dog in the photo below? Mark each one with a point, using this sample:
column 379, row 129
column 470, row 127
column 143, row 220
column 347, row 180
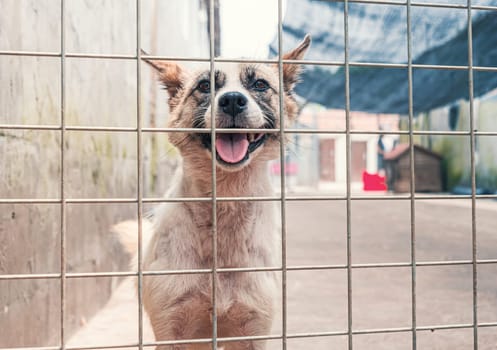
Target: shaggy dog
column 248, row 233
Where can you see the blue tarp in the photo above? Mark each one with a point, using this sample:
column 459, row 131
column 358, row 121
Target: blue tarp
column 378, row 34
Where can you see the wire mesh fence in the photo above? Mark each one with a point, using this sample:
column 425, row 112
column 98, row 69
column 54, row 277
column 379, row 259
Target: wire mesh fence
column 63, row 128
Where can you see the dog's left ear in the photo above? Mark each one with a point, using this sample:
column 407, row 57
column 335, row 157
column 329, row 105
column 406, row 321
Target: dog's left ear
column 291, row 71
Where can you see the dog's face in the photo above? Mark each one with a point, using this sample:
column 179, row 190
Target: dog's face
column 246, row 96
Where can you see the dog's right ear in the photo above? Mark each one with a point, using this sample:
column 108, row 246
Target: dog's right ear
column 171, row 75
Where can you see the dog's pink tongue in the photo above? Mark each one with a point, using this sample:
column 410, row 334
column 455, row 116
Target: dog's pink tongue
column 232, row 148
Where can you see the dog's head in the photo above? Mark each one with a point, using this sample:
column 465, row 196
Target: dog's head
column 246, row 96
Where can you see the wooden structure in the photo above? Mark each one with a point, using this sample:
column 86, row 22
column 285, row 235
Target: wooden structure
column 427, row 169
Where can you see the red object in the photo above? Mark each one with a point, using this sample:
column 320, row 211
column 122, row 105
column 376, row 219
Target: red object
column 373, row 182
column 290, row 168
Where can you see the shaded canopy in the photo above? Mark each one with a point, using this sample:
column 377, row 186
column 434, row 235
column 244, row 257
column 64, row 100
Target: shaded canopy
column 378, row 34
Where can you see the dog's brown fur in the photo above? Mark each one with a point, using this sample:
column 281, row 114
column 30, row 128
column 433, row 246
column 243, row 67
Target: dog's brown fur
column 180, row 306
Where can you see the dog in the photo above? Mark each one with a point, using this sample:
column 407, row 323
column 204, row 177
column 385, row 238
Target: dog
column 179, row 235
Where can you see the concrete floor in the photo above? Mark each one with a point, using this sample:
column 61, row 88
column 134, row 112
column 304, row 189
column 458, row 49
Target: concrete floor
column 381, row 297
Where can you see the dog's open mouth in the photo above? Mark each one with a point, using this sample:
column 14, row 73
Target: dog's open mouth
column 233, row 149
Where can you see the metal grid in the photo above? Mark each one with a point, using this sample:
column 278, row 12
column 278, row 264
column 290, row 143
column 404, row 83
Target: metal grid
column 282, row 198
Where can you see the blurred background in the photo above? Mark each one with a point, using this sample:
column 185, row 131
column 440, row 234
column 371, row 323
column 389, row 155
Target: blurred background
column 102, row 92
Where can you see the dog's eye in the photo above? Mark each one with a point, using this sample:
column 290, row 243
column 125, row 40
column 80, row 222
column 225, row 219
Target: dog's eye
column 261, row 85
column 204, row 86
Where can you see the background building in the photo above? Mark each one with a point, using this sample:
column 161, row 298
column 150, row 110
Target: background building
column 378, row 36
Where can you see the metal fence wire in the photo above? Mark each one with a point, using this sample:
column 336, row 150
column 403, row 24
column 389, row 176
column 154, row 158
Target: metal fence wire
column 282, row 198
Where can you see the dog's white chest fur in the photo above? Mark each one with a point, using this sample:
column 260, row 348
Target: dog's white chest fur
column 247, row 236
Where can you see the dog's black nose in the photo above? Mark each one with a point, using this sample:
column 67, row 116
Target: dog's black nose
column 233, row 103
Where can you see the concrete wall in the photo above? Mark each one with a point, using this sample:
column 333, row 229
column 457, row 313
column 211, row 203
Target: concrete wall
column 487, row 145
column 456, row 149
column 99, row 92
